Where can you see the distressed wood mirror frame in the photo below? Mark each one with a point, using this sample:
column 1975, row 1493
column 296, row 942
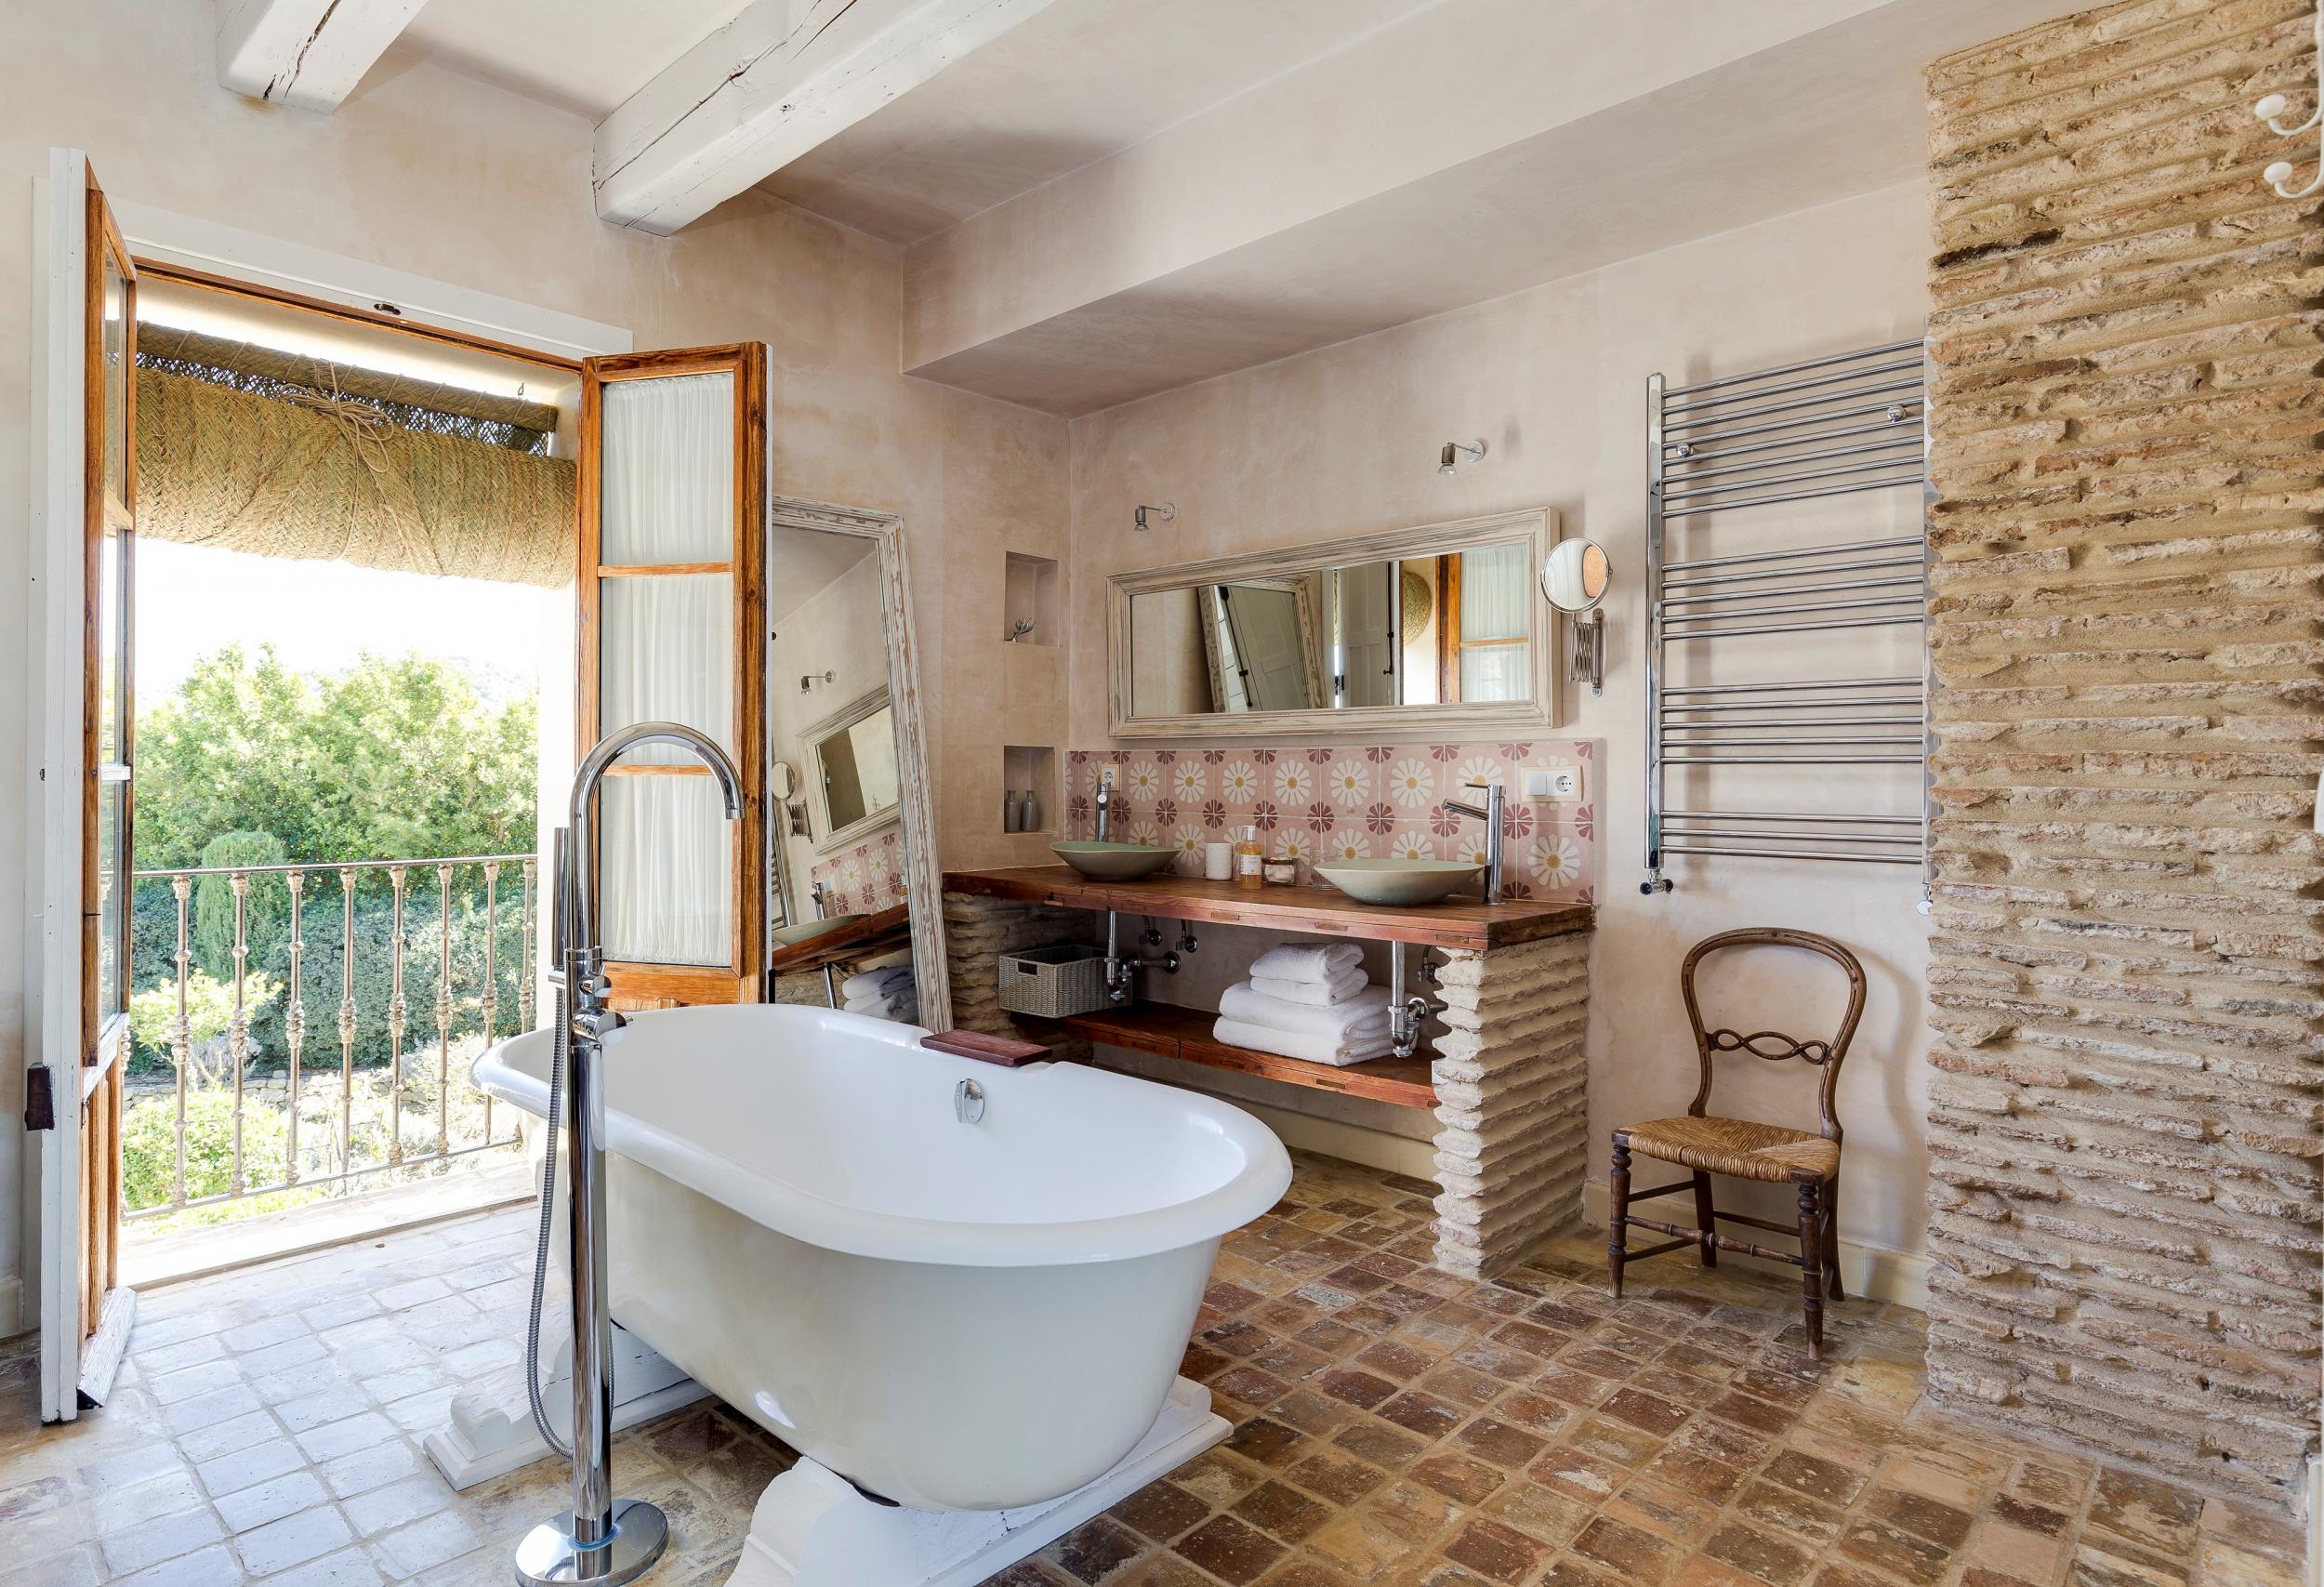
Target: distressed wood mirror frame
column 828, row 836
column 1478, row 717
column 914, row 804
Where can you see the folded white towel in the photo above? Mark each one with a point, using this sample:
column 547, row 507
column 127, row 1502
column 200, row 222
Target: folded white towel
column 1363, row 1015
column 876, row 982
column 1316, row 1048
column 1320, row 994
column 1307, row 961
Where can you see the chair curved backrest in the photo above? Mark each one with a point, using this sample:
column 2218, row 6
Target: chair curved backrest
column 1773, row 1045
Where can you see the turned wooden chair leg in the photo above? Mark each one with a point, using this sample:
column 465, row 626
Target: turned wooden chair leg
column 1617, row 1211
column 1706, row 1218
column 1831, row 1241
column 1812, row 1264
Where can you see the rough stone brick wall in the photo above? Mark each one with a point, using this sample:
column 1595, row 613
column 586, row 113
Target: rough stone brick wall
column 2129, row 646
column 1514, row 1141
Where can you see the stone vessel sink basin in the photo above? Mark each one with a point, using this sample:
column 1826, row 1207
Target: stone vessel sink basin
column 1114, row 862
column 1402, row 883
column 791, row 936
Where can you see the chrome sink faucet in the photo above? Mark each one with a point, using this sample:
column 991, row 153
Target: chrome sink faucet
column 1490, row 813
column 1105, row 806
column 598, row 1543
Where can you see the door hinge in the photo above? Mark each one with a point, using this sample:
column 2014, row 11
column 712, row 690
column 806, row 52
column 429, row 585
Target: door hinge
column 40, row 1098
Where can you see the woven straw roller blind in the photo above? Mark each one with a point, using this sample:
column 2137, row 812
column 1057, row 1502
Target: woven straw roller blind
column 257, row 451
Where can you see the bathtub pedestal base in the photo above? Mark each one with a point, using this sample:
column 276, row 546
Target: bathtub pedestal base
column 490, row 1432
column 812, row 1528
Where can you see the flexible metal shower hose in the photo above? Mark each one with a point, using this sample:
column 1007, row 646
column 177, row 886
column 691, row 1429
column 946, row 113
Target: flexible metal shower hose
column 540, row 1246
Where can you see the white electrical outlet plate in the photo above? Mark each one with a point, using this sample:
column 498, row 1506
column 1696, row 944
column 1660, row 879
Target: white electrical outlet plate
column 1557, row 784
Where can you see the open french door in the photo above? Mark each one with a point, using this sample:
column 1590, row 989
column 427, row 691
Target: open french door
column 85, row 554
column 673, row 502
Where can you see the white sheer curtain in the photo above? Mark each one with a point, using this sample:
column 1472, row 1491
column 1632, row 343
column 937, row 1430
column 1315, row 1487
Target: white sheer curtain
column 665, row 653
column 668, row 485
column 1496, row 589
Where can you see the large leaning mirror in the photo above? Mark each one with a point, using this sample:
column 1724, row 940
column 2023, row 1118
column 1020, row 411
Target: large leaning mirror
column 856, row 917
column 1438, row 624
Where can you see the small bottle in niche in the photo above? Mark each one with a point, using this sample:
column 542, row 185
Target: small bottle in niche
column 1249, row 864
column 1011, row 818
column 1029, row 813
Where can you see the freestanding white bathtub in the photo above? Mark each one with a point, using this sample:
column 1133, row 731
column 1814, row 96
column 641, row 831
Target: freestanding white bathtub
column 953, row 1315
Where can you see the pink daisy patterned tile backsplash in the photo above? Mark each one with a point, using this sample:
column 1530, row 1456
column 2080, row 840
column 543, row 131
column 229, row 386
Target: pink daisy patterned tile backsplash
column 863, row 880
column 1374, row 802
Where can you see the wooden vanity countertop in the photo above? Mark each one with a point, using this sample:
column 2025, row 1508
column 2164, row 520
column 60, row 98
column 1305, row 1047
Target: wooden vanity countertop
column 1313, row 911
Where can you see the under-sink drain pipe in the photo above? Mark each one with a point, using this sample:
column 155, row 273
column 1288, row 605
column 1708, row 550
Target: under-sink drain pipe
column 1406, row 1016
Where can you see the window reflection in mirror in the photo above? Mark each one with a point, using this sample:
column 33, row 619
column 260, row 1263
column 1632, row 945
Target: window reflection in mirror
column 1416, row 630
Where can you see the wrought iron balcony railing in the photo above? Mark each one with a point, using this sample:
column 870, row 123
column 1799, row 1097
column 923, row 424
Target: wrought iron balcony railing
column 204, row 1078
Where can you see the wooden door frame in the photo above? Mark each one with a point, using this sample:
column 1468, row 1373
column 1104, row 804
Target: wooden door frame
column 743, row 977
column 56, row 674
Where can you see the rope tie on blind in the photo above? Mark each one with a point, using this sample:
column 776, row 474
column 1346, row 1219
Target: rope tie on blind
column 366, row 431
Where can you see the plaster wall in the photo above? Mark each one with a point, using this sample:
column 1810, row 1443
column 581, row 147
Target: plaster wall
column 442, row 176
column 1344, row 440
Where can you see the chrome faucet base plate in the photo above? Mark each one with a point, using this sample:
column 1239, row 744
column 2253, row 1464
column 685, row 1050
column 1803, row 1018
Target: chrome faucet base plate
column 548, row 1556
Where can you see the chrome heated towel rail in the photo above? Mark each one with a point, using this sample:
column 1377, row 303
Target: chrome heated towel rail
column 1833, row 427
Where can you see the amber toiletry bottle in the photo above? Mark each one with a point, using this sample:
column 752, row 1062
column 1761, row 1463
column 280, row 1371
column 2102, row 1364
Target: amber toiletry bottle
column 1250, row 864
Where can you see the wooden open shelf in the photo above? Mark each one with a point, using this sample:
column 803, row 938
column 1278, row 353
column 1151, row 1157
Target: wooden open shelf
column 1184, row 1034
column 1313, row 911
column 877, row 934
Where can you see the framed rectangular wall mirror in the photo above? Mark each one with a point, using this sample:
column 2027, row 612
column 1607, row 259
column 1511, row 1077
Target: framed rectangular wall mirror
column 1441, row 625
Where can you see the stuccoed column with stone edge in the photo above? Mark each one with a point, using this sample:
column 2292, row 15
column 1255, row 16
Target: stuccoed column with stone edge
column 1512, row 1100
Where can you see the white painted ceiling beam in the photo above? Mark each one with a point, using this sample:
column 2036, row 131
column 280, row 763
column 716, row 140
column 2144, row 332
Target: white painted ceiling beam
column 772, row 84
column 309, row 53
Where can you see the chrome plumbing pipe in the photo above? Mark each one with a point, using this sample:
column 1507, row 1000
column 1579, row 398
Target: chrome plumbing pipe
column 600, row 1541
column 1406, row 1016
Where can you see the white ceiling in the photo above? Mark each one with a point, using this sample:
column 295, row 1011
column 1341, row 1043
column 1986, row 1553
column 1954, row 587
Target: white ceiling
column 1078, row 81
column 583, row 55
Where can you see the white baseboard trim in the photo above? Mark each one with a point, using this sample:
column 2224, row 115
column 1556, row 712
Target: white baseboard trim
column 12, row 1318
column 1877, row 1273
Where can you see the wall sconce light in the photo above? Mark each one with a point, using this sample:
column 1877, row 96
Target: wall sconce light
column 1165, row 512
column 2279, row 176
column 808, row 681
column 1448, row 460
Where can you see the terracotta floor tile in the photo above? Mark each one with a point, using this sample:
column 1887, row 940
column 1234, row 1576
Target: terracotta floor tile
column 1397, row 1427
column 1459, row 1477
column 1495, row 1552
column 1160, row 1511
column 1283, row 1512
column 1229, row 1548
column 1499, row 1443
column 1632, row 1554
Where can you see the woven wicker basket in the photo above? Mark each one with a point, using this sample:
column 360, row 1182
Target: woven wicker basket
column 1068, row 978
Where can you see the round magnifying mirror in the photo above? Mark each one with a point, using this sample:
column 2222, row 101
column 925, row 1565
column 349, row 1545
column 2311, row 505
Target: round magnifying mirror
column 1576, row 576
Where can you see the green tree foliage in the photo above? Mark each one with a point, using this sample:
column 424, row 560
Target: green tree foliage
column 265, row 907
column 396, row 757
column 249, row 762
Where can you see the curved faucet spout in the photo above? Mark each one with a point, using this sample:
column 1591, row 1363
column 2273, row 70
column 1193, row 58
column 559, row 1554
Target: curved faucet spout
column 582, row 812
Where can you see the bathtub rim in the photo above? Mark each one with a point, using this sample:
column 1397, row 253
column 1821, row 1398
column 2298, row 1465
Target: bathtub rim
column 801, row 1214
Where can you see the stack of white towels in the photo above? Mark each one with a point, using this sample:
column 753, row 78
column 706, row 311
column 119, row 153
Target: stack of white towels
column 1311, row 1001
column 885, row 994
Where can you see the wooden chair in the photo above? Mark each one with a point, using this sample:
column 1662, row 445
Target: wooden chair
column 1743, row 1148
